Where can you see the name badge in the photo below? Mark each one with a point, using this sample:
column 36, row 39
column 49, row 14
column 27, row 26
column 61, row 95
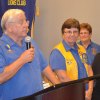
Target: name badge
column 84, row 58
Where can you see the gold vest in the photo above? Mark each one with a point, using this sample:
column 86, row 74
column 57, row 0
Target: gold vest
column 71, row 64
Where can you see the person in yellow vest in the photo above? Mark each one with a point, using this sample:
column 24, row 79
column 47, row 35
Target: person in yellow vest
column 68, row 59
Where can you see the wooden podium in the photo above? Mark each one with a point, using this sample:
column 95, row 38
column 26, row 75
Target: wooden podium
column 70, row 92
column 73, row 90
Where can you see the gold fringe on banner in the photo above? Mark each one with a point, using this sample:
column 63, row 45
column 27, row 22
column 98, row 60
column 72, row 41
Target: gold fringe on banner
column 37, row 13
column 32, row 29
column 37, row 8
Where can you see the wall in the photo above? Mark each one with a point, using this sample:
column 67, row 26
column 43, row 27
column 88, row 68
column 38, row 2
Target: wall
column 54, row 12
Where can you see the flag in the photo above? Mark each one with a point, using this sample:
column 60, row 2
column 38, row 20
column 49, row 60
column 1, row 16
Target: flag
column 27, row 5
column 37, row 14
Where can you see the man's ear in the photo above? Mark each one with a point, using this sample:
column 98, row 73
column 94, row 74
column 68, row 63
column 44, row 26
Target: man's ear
column 8, row 27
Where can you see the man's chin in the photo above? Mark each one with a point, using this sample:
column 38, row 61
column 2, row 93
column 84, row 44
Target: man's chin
column 24, row 35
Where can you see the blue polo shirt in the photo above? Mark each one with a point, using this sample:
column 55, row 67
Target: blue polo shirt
column 57, row 61
column 28, row 79
column 91, row 51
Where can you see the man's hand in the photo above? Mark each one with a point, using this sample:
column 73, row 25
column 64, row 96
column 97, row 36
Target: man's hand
column 28, row 55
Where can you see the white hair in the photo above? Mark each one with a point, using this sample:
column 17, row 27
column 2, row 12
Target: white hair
column 9, row 16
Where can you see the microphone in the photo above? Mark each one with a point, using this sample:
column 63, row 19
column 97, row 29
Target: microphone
column 28, row 42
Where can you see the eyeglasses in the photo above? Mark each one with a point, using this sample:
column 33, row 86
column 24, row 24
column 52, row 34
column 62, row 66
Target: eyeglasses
column 84, row 33
column 70, row 32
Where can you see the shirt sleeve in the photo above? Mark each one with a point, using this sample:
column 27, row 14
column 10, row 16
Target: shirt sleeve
column 98, row 49
column 57, row 61
column 2, row 61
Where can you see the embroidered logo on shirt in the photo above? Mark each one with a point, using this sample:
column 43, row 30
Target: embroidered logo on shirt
column 84, row 58
column 94, row 51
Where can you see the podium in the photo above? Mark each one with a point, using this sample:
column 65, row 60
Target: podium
column 73, row 90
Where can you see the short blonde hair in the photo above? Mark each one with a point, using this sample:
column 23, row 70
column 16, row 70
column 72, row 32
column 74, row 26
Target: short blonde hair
column 9, row 16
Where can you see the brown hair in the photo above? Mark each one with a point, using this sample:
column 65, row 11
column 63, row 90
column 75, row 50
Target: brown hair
column 70, row 23
column 86, row 26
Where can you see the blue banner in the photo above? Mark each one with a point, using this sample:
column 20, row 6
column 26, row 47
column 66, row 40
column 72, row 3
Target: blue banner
column 27, row 5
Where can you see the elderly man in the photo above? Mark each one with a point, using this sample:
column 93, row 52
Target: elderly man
column 20, row 69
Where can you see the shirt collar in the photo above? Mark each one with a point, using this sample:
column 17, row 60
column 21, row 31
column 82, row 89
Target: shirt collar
column 90, row 45
column 8, row 40
column 68, row 48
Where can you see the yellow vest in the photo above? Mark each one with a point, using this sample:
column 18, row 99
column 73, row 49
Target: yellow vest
column 71, row 64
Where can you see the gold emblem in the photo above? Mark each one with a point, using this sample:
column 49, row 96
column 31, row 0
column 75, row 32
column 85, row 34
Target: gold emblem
column 84, row 58
column 94, row 51
column 69, row 61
